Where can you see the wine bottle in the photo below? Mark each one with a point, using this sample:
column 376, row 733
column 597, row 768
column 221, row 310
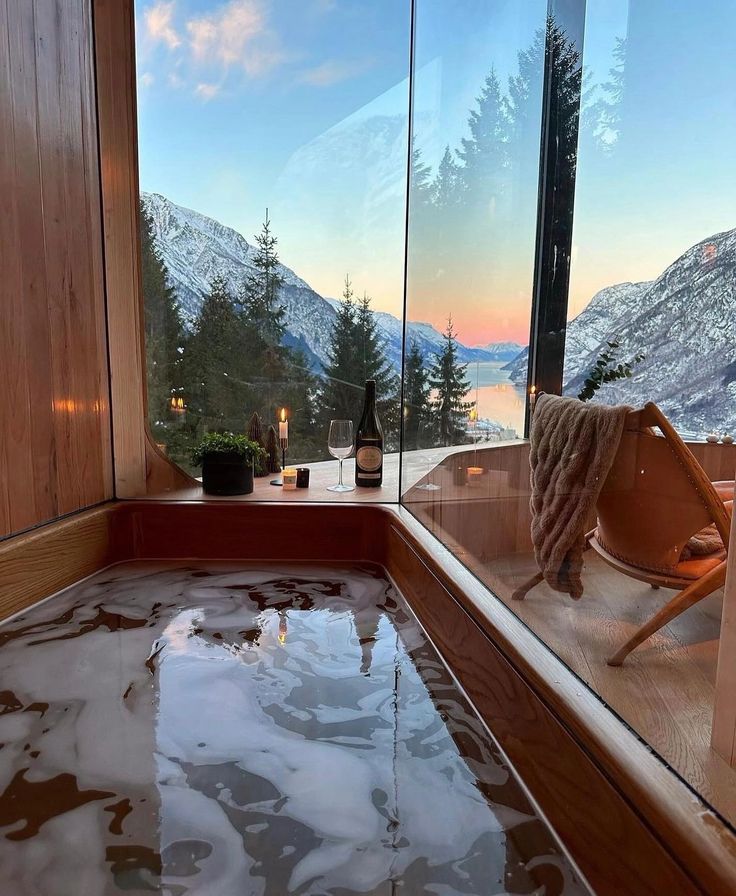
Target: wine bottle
column 369, row 443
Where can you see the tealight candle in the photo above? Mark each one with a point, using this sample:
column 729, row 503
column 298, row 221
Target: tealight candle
column 289, row 478
column 474, row 475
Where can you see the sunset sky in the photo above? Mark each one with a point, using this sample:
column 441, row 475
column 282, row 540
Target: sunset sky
column 301, row 106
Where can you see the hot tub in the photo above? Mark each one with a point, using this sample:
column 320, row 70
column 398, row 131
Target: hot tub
column 228, row 728
column 311, row 699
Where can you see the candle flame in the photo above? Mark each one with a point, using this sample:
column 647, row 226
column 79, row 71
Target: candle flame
column 473, row 415
column 533, row 390
column 282, row 415
column 177, row 404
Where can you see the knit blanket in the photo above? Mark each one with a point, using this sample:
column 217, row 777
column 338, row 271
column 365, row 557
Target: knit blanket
column 573, row 445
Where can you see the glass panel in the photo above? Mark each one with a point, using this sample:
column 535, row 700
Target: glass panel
column 651, row 318
column 652, row 275
column 471, row 242
column 273, row 153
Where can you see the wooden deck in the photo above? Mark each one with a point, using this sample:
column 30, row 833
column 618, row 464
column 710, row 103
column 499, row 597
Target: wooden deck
column 665, row 691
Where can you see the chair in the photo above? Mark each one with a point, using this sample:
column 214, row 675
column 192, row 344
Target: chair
column 655, row 498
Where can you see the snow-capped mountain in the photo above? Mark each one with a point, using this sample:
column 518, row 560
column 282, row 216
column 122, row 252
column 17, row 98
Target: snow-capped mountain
column 195, row 248
column 684, row 322
column 502, row 351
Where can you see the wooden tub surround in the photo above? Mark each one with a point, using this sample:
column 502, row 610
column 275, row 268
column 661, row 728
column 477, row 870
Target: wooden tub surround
column 630, row 825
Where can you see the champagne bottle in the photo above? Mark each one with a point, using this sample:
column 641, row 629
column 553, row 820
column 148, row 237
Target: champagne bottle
column 369, row 443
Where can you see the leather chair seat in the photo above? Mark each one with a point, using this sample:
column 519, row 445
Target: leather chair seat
column 696, row 567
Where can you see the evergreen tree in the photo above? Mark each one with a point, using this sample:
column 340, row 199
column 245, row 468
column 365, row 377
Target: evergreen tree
column 260, row 296
column 448, row 381
column 215, row 366
column 417, row 413
column 484, row 155
column 371, row 364
column 608, row 110
column 339, row 392
column 420, row 184
column 525, row 97
column 447, row 184
column 280, row 375
column 164, row 330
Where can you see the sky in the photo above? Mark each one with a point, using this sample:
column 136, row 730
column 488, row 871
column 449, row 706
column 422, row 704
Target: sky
column 302, row 106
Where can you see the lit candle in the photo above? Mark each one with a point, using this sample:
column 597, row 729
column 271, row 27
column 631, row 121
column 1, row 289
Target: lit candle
column 288, row 477
column 283, row 426
column 177, row 405
column 474, row 475
column 532, row 399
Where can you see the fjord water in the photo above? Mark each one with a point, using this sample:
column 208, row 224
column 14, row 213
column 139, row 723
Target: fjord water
column 237, row 729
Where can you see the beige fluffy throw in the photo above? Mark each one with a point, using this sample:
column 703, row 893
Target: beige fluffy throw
column 573, row 445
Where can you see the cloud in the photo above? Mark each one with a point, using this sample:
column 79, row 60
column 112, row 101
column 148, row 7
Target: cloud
column 235, row 34
column 146, row 79
column 333, row 71
column 159, row 23
column 207, row 91
column 174, row 80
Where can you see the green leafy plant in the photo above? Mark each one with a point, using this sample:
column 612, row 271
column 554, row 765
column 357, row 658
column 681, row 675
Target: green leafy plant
column 226, row 443
column 607, row 369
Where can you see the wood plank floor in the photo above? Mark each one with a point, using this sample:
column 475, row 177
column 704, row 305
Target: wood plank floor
column 664, row 691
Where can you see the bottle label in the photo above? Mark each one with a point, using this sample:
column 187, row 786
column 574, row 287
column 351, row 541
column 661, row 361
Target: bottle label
column 369, row 458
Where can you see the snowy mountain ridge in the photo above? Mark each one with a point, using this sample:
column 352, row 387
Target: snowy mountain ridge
column 684, row 323
column 196, row 248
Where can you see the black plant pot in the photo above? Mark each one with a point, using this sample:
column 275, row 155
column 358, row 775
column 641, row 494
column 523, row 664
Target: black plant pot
column 226, row 474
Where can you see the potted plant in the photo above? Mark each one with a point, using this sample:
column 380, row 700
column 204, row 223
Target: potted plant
column 227, row 462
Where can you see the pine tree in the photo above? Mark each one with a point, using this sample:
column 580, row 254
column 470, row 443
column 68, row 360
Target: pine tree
column 339, row 392
column 371, row 364
column 214, row 363
column 448, row 381
column 447, row 184
column 164, row 330
column 416, row 399
column 280, row 375
column 484, row 155
column 420, row 184
column 525, row 99
column 260, row 296
column 608, row 110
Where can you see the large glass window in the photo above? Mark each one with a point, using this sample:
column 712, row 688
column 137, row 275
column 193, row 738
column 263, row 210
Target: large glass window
column 273, row 154
column 632, row 194
column 478, row 76
column 570, row 227
column 652, row 282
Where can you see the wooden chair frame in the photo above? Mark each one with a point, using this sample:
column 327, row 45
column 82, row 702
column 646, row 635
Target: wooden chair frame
column 690, row 590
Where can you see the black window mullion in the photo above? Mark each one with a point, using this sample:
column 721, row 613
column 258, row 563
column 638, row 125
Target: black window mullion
column 558, row 158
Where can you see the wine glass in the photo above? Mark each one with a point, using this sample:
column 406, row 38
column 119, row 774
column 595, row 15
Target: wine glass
column 340, row 445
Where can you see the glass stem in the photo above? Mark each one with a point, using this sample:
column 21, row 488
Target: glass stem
column 340, row 482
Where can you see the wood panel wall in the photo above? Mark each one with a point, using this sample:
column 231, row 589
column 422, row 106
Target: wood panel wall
column 140, row 468
column 55, row 453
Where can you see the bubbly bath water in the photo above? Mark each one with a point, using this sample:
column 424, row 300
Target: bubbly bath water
column 231, row 729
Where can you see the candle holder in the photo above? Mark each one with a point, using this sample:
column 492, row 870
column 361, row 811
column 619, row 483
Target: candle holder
column 284, row 443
